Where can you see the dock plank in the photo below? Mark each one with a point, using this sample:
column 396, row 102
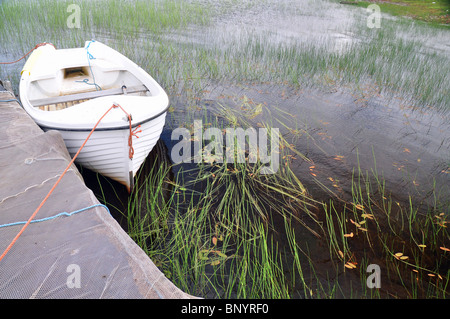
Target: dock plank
column 84, row 255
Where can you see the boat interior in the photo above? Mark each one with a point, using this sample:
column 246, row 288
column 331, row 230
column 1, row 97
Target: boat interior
column 74, row 85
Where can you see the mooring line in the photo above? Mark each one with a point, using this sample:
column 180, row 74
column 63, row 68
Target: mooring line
column 56, row 216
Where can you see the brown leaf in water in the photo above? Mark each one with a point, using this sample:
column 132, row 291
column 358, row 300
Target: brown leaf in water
column 350, row 265
column 404, row 257
column 348, row 235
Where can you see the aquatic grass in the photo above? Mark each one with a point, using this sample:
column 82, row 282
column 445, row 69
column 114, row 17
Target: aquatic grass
column 202, row 243
column 406, row 242
column 227, row 245
column 95, row 16
column 214, row 235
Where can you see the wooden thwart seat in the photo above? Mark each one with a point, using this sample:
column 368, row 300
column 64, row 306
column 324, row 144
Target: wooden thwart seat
column 88, row 95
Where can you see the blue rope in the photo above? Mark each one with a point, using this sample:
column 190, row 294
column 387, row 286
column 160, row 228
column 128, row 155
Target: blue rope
column 91, row 57
column 87, row 82
column 11, row 100
column 56, row 216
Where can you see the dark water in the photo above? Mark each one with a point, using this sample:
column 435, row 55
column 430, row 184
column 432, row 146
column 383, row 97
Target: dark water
column 339, row 132
column 339, row 128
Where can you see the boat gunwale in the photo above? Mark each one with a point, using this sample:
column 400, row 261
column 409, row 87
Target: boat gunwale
column 112, row 128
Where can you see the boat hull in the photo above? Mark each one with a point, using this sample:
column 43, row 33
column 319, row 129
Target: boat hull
column 107, row 151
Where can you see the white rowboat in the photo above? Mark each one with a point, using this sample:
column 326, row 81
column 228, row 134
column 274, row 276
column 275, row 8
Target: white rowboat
column 69, row 90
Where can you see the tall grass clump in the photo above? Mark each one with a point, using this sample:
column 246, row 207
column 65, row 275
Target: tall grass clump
column 215, row 236
column 50, row 18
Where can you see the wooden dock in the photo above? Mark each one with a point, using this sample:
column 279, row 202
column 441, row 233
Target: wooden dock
column 73, row 248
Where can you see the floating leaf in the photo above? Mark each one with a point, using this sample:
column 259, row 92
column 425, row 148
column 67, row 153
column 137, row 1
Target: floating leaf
column 370, row 216
column 214, row 240
column 355, row 223
column 363, row 229
column 359, row 206
column 444, row 248
column 348, row 235
column 215, row 262
column 422, row 246
column 350, row 265
column 398, row 254
column 341, row 253
column 404, row 257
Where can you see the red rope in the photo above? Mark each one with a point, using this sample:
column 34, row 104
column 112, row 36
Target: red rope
column 37, row 46
column 62, row 175
column 132, row 132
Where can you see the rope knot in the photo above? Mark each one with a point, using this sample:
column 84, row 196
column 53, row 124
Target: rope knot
column 136, row 131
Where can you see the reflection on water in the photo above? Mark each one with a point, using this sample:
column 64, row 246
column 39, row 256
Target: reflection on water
column 341, row 128
column 339, row 131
